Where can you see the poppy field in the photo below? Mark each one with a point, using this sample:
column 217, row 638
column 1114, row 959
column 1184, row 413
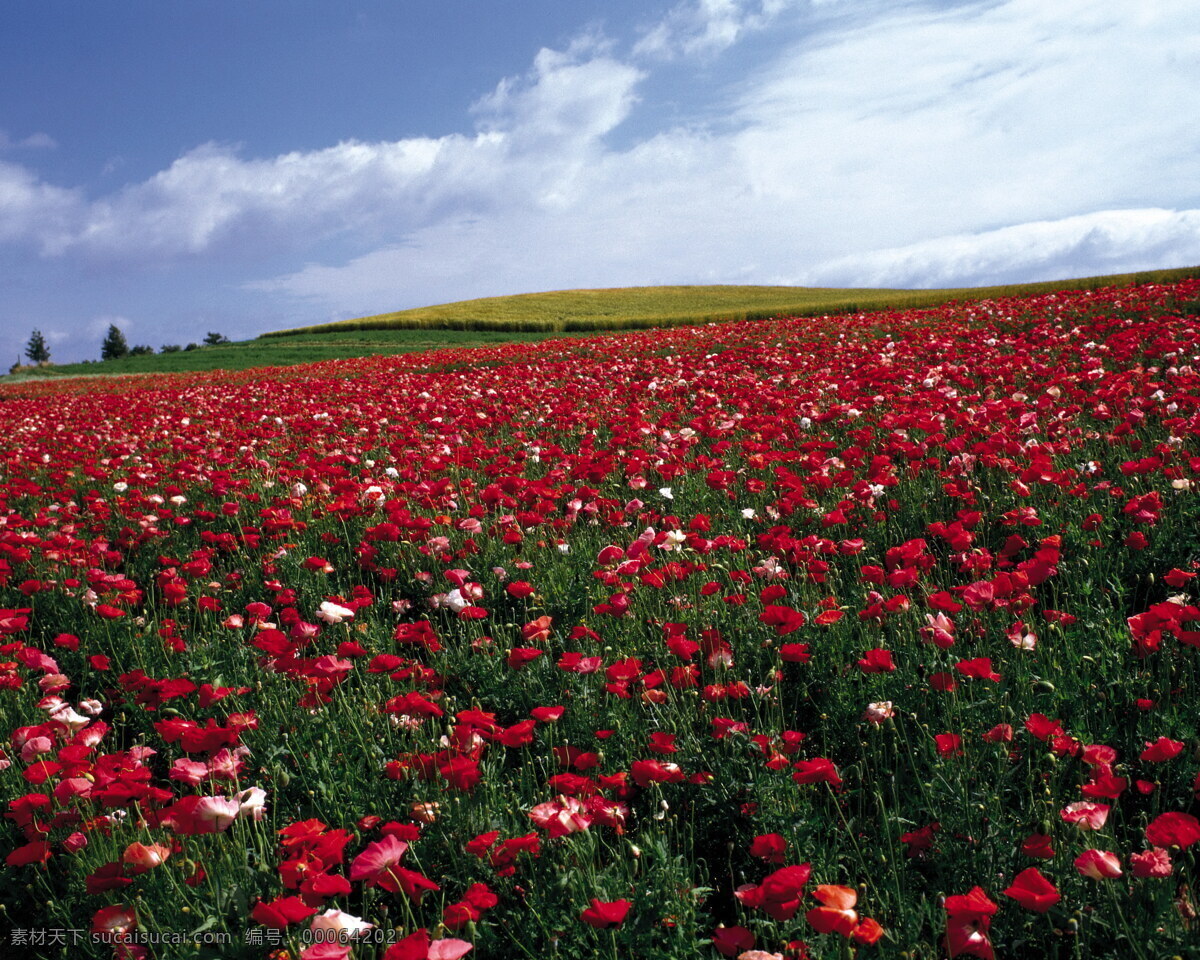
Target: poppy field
column 872, row 635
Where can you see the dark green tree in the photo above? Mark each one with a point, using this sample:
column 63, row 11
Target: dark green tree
column 213, row 339
column 36, row 350
column 114, row 345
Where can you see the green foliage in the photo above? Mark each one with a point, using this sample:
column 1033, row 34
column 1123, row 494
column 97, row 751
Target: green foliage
column 36, row 350
column 288, row 351
column 215, row 339
column 141, row 350
column 114, row 346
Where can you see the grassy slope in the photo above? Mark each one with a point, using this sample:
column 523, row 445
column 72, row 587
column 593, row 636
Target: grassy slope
column 634, row 307
column 536, row 316
column 282, row 352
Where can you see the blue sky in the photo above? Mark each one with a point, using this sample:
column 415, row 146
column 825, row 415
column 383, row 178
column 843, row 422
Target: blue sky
column 247, row 166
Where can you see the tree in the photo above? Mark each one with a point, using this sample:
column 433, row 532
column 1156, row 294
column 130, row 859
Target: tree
column 114, row 345
column 213, row 339
column 36, row 350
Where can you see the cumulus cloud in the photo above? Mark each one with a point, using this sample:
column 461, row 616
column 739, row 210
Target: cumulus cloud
column 706, row 27
column 33, row 210
column 568, row 97
column 210, row 194
column 535, row 133
column 1107, row 241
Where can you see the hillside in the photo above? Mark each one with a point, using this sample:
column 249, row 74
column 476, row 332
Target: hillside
column 641, row 307
column 536, row 316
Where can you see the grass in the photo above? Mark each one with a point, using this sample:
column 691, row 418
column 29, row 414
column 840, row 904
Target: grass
column 641, row 307
column 536, row 316
column 282, row 352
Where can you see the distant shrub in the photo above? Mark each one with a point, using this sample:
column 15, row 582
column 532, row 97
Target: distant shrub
column 141, row 350
column 114, row 346
column 215, row 339
column 37, row 351
column 170, row 348
column 192, row 346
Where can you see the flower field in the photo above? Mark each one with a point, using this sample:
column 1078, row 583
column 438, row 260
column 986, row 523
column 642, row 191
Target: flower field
column 871, row 635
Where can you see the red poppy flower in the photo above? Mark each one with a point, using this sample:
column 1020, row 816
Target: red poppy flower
column 1098, row 864
column 1173, row 829
column 36, row 852
column 780, row 892
column 378, row 857
column 1033, row 891
column 980, row 668
column 605, row 914
column 769, row 847
column 114, row 921
column 1042, row 726
column 817, row 770
column 646, row 772
column 1161, row 750
column 1038, row 845
column 1155, row 862
column 968, row 920
column 785, row 620
column 730, row 941
column 948, row 744
column 1085, row 815
column 520, row 656
column 877, row 661
column 278, row 913
column 110, row 876
column 462, row 773
column 836, row 914
column 418, row 946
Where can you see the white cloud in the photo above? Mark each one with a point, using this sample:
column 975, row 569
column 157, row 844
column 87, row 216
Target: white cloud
column 210, row 193
column 567, row 98
column 30, row 209
column 931, row 121
column 706, row 27
column 535, row 135
column 98, row 325
column 1108, row 241
column 35, row 141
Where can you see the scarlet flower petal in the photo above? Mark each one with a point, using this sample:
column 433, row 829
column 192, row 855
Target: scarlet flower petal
column 1033, row 891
